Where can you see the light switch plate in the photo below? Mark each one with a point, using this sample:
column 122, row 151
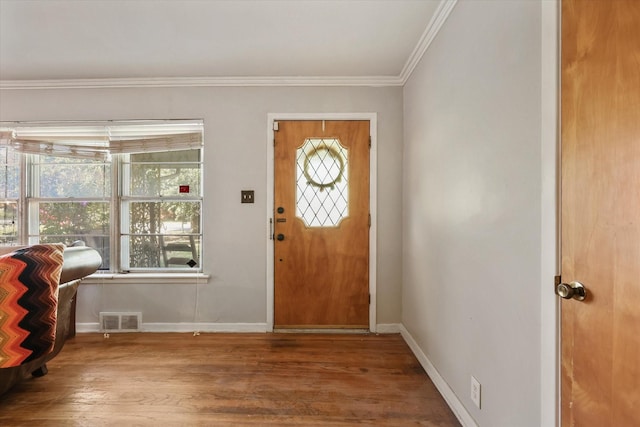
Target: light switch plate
column 246, row 196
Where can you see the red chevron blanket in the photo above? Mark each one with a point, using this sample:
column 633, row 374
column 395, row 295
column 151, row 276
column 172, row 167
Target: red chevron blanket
column 28, row 302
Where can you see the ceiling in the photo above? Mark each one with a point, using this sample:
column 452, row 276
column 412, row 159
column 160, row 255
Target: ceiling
column 168, row 39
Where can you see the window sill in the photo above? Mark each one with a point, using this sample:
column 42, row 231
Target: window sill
column 146, row 278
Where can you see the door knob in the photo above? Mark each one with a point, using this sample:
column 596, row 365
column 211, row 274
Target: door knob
column 280, row 237
column 575, row 290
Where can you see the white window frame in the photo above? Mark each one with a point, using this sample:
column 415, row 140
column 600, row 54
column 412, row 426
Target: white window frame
column 28, row 227
column 118, row 202
column 124, row 201
column 19, row 200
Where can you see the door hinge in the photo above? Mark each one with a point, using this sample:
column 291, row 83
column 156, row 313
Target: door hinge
column 275, row 126
column 369, row 141
column 369, row 299
column 369, row 220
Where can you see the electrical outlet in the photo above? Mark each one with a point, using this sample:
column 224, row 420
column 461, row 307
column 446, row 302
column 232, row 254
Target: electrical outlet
column 475, row 391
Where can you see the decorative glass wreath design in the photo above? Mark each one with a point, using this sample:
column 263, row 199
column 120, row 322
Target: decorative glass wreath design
column 329, row 152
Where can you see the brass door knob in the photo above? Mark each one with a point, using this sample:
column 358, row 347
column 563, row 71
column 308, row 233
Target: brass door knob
column 575, row 290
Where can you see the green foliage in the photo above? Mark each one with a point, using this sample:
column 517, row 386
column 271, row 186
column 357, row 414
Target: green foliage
column 60, row 218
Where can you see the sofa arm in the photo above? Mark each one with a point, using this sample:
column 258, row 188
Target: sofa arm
column 79, row 262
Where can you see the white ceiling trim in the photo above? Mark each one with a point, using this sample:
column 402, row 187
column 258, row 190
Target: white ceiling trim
column 444, row 9
column 439, row 17
column 377, row 81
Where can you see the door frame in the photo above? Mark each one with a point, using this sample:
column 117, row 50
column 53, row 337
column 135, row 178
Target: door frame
column 550, row 215
column 373, row 175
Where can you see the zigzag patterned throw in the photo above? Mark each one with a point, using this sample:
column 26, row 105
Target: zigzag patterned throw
column 29, row 280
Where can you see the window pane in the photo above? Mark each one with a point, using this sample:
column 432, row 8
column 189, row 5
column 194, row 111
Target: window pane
column 66, row 222
column 171, row 217
column 80, row 218
column 62, row 177
column 322, row 182
column 144, row 251
column 163, row 251
column 162, row 234
column 9, row 173
column 174, row 173
column 8, row 222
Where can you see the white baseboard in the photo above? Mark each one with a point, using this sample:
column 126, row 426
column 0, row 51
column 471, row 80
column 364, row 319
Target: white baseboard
column 83, row 328
column 388, row 328
column 184, row 327
column 447, row 393
column 384, row 328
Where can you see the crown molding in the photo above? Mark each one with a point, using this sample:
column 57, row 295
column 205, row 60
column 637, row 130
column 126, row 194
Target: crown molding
column 439, row 17
column 154, row 82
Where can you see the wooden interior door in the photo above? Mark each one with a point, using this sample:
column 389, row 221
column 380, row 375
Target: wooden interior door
column 600, row 212
column 321, row 228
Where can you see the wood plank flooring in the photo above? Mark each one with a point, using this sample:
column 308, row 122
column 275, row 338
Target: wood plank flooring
column 229, row 380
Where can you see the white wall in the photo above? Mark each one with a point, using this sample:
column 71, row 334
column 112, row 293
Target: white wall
column 235, row 159
column 472, row 208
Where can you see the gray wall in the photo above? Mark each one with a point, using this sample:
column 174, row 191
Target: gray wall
column 235, row 158
column 459, row 209
column 472, row 207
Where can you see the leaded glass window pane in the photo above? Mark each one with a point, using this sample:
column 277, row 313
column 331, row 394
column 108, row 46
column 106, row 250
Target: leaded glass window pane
column 322, row 182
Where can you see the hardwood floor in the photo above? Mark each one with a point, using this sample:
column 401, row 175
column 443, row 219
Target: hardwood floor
column 229, row 380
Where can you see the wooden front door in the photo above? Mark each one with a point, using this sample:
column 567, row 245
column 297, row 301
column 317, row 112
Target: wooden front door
column 321, row 231
column 600, row 212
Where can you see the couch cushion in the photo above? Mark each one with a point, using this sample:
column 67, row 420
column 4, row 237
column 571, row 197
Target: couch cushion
column 29, row 279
